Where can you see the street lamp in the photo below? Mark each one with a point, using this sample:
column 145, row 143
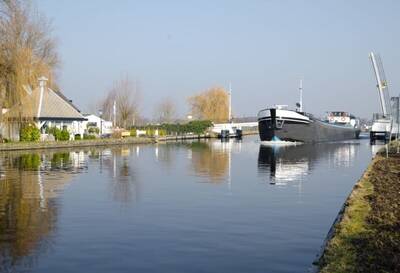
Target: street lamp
column 101, row 121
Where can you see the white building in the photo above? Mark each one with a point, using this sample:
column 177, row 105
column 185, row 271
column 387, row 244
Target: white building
column 45, row 108
column 105, row 127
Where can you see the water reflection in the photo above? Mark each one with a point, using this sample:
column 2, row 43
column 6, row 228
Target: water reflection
column 211, row 161
column 286, row 164
column 30, row 207
column 118, row 164
column 28, row 211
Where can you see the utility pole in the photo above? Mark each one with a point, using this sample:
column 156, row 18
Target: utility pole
column 230, row 103
column 114, row 113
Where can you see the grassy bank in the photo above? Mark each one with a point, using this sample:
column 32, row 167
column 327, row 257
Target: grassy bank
column 15, row 146
column 367, row 236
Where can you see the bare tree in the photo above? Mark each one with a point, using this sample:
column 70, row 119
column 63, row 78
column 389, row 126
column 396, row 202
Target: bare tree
column 211, row 104
column 165, row 111
column 27, row 50
column 126, row 96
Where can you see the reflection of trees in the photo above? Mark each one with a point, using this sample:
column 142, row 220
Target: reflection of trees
column 28, row 213
column 27, row 162
column 60, row 160
column 123, row 186
column 166, row 153
column 206, row 161
column 27, row 218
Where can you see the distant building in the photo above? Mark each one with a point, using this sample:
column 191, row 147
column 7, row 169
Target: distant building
column 105, row 126
column 45, row 108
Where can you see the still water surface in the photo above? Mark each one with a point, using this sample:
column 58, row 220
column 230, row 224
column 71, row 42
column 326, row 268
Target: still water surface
column 207, row 206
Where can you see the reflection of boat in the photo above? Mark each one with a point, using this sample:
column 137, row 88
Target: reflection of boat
column 291, row 163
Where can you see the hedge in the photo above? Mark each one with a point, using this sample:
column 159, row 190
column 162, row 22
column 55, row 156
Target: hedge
column 197, row 127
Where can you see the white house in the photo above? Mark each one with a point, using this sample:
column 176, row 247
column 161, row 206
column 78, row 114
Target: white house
column 45, row 108
column 105, row 127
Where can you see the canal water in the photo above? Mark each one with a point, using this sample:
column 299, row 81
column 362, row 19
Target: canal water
column 206, row 206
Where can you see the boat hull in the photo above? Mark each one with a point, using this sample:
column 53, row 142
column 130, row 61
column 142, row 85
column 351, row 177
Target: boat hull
column 313, row 130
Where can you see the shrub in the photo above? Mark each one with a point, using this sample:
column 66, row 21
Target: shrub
column 116, row 134
column 150, row 132
column 78, row 137
column 29, row 133
column 93, row 130
column 58, row 134
column 64, row 135
column 86, row 136
column 133, row 132
column 55, row 132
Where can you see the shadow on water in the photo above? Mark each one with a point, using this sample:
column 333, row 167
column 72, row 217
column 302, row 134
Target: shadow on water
column 285, row 164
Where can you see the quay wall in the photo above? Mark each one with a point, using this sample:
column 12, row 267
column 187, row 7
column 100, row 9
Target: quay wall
column 15, row 146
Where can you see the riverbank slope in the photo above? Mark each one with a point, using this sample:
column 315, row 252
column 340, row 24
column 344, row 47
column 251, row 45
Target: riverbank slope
column 366, row 237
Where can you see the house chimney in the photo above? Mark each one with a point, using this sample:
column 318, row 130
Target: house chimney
column 42, row 81
column 42, row 84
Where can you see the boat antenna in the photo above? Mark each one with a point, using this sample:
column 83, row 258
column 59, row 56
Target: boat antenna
column 300, row 103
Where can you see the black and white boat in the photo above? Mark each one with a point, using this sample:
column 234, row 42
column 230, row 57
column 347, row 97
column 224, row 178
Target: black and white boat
column 281, row 124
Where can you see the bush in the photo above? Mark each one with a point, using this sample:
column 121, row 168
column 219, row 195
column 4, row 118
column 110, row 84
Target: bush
column 150, row 132
column 133, row 132
column 78, row 137
column 93, row 130
column 29, row 133
column 86, row 136
column 55, row 132
column 58, row 134
column 116, row 134
column 64, row 135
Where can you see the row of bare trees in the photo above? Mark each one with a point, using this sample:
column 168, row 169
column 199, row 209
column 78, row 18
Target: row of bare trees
column 126, row 97
column 27, row 50
column 212, row 104
column 124, row 94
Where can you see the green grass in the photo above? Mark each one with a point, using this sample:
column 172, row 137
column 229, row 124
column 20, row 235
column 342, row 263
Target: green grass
column 341, row 253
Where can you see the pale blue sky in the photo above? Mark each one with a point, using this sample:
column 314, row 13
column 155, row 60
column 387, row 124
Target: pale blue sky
column 177, row 48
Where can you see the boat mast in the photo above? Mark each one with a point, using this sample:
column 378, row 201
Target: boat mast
column 301, row 96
